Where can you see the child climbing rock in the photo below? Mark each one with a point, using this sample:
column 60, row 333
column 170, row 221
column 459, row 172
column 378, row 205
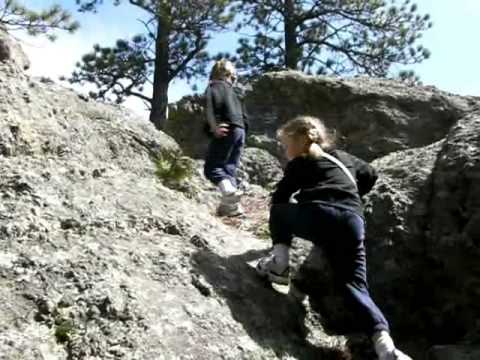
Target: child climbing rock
column 227, row 121
column 328, row 212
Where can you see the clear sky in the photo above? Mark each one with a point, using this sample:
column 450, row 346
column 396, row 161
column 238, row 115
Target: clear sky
column 453, row 41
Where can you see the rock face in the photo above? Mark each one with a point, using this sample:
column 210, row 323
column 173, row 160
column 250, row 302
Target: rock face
column 260, row 167
column 453, row 240
column 11, row 52
column 372, row 117
column 186, row 121
column 423, row 235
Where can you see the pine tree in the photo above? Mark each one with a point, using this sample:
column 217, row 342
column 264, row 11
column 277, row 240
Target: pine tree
column 172, row 46
column 341, row 37
column 14, row 16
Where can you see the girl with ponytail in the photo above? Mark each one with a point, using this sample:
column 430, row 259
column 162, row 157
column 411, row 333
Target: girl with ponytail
column 328, row 211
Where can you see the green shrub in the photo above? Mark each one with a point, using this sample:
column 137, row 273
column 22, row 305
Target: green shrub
column 174, row 169
column 64, row 330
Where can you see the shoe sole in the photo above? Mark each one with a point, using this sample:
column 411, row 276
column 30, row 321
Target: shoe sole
column 231, row 200
column 278, row 279
column 274, row 278
column 232, row 214
column 230, row 210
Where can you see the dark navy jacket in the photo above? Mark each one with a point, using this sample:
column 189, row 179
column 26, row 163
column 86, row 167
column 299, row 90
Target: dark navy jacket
column 322, row 181
column 224, row 105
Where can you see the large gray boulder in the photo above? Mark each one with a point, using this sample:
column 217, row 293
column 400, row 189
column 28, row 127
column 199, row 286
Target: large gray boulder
column 372, row 117
column 260, row 167
column 452, row 246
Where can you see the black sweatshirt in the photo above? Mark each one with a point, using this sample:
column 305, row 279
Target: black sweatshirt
column 321, row 180
column 224, row 105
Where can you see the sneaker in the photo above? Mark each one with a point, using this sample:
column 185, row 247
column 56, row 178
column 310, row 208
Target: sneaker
column 229, row 210
column 268, row 268
column 394, row 355
column 231, row 198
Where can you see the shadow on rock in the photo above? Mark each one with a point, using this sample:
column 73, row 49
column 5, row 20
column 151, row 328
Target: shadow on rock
column 272, row 319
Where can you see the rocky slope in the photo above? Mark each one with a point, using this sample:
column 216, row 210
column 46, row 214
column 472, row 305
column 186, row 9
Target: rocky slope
column 100, row 259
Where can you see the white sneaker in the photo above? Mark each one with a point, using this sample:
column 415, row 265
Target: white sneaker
column 269, row 268
column 385, row 348
column 231, row 198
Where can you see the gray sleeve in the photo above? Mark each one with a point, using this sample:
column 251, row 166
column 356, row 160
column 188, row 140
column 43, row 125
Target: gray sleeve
column 209, row 110
column 288, row 184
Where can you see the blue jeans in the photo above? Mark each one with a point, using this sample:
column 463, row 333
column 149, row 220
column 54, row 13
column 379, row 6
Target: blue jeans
column 223, row 156
column 341, row 235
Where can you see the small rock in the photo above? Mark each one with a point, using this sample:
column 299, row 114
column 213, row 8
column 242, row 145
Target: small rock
column 199, row 242
column 201, row 284
column 65, row 301
column 29, row 296
column 96, row 173
column 67, row 224
column 172, row 229
column 45, row 306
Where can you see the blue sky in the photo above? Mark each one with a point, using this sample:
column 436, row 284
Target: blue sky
column 453, row 41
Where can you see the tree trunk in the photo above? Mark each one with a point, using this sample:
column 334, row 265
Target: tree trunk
column 292, row 52
column 161, row 78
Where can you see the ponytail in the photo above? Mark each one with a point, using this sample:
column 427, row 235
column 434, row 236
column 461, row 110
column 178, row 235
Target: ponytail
column 313, row 129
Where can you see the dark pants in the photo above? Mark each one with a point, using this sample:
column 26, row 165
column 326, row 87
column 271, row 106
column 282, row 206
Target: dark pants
column 223, row 156
column 341, row 235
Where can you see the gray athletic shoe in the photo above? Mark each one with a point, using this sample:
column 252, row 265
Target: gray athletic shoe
column 231, row 198
column 229, row 210
column 268, row 268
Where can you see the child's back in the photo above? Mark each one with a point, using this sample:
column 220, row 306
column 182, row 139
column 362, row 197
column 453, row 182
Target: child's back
column 321, row 180
column 329, row 213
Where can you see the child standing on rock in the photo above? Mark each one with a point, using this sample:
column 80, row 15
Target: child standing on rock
column 227, row 121
column 329, row 213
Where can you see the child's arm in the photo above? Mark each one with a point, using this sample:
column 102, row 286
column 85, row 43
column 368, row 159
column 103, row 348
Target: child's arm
column 365, row 174
column 212, row 122
column 288, row 185
column 240, row 91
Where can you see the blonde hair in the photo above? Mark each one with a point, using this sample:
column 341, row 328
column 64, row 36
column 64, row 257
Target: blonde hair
column 311, row 128
column 223, row 69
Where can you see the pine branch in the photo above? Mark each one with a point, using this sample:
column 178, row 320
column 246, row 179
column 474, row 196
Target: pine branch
column 15, row 16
